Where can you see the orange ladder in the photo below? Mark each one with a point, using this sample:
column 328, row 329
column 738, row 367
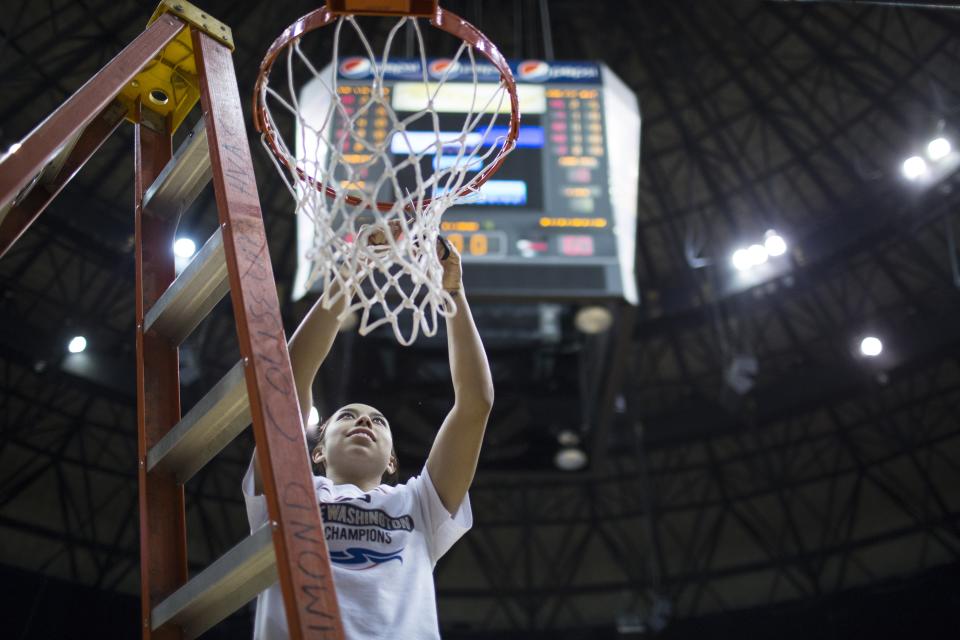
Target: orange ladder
column 183, row 56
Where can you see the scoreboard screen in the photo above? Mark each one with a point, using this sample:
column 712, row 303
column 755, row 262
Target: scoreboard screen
column 557, row 220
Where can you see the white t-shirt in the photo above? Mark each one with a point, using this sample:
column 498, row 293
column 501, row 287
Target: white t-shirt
column 382, row 565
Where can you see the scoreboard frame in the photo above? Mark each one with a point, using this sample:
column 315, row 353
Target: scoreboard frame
column 579, row 245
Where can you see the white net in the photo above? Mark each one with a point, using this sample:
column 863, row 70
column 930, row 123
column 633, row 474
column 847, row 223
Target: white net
column 376, row 195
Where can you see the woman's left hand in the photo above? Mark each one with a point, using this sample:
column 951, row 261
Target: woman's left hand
column 450, row 261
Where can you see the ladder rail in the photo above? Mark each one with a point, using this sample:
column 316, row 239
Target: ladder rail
column 163, row 538
column 303, row 562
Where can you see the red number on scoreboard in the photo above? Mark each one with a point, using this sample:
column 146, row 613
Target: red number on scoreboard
column 576, row 245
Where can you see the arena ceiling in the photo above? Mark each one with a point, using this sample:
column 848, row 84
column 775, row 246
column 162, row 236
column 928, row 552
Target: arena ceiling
column 831, row 472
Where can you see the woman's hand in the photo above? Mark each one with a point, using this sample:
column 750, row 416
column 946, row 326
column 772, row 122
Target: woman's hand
column 378, row 235
column 450, row 261
column 375, row 239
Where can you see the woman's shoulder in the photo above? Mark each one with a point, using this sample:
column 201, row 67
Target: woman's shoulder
column 407, row 489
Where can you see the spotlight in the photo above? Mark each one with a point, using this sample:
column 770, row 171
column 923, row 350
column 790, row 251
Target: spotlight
column 741, row 260
column 570, row 457
column 77, row 344
column 314, row 418
column 758, row 255
column 774, row 243
column 568, row 438
column 184, row 248
column 592, row 320
column 938, row 149
column 871, row 346
column 914, row 167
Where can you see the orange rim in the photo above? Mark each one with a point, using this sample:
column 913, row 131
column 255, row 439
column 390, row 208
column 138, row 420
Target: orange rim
column 443, row 20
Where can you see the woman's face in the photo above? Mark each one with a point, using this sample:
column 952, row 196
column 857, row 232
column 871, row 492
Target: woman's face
column 356, row 442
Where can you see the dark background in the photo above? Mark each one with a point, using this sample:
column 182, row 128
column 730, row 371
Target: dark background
column 821, row 502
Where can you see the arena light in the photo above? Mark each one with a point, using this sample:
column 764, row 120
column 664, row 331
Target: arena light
column 741, row 260
column 184, row 248
column 77, row 344
column 914, row 168
column 758, row 254
column 871, row 346
column 774, row 243
column 570, row 457
column 593, row 319
column 938, row 149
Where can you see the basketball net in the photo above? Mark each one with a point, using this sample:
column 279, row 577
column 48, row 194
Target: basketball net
column 355, row 188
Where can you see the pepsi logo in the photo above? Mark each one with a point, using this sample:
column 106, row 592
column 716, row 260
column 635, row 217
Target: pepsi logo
column 439, row 67
column 533, row 70
column 355, row 67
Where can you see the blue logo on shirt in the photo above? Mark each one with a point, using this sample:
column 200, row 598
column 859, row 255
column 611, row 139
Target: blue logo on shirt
column 357, row 558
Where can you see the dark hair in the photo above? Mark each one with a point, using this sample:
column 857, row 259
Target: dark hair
column 315, row 439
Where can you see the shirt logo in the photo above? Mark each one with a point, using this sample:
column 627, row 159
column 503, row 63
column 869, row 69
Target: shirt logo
column 346, row 523
column 359, row 559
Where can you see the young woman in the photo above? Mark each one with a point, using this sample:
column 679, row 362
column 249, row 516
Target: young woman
column 385, row 540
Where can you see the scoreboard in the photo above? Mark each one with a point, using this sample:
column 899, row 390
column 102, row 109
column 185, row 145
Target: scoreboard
column 558, row 219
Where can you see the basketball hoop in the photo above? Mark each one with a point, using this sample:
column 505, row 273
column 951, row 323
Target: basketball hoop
column 351, row 185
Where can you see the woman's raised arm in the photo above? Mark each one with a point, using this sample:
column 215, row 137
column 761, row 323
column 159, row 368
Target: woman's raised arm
column 452, row 462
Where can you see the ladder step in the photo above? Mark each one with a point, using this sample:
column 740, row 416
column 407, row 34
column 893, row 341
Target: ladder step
column 231, row 581
column 208, row 427
column 192, row 295
column 182, row 179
